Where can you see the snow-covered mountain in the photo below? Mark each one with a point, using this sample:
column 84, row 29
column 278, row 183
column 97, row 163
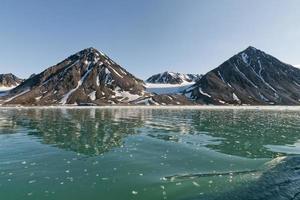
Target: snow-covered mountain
column 88, row 77
column 170, row 82
column 250, row 77
column 173, row 78
column 8, row 81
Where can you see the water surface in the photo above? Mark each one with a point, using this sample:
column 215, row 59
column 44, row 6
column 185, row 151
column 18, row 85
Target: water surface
column 140, row 153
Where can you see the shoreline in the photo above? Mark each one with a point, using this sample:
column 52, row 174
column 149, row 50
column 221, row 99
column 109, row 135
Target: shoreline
column 171, row 107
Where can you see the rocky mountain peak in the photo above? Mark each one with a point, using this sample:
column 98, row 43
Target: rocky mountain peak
column 88, row 76
column 9, row 80
column 251, row 49
column 250, row 54
column 250, row 77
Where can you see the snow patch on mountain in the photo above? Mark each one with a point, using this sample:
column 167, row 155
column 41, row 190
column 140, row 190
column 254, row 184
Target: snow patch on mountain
column 126, row 95
column 92, row 95
column 245, row 77
column 245, row 58
column 67, row 95
column 297, row 65
column 204, row 93
column 5, row 89
column 235, row 97
column 20, row 94
column 167, row 88
column 148, row 101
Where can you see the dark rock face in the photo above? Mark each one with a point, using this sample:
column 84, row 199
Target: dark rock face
column 9, row 80
column 173, row 78
column 88, row 77
column 250, row 77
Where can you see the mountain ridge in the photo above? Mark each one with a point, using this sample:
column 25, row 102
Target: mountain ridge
column 88, row 77
column 249, row 77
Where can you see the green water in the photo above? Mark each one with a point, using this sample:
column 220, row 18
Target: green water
column 110, row 154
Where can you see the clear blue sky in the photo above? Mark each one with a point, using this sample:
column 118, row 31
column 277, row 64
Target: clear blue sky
column 146, row 36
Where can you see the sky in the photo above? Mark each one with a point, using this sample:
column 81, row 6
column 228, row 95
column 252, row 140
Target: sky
column 146, row 36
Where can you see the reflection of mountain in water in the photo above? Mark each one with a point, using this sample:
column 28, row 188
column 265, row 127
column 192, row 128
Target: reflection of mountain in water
column 87, row 131
column 8, row 125
column 94, row 131
column 247, row 133
column 233, row 132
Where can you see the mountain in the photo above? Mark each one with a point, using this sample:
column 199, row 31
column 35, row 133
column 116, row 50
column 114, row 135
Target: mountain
column 32, row 75
column 173, row 78
column 88, row 77
column 250, row 77
column 9, row 80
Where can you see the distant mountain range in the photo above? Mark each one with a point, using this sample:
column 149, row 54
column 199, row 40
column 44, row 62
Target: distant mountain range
column 90, row 77
column 173, row 78
column 9, row 80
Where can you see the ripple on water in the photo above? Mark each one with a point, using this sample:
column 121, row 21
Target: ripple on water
column 138, row 154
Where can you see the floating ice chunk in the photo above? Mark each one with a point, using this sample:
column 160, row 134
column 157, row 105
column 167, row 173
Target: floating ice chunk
column 31, row 181
column 196, row 184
